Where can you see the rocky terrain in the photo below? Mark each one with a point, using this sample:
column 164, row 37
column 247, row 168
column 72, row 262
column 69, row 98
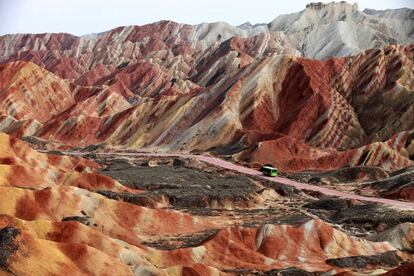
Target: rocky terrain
column 364, row 180
column 326, row 95
column 241, row 92
column 169, row 216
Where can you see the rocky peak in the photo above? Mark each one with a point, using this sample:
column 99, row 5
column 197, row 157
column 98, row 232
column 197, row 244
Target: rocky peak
column 320, row 5
column 315, row 5
column 370, row 11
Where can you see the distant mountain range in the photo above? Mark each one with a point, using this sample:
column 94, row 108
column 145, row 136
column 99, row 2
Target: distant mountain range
column 319, row 31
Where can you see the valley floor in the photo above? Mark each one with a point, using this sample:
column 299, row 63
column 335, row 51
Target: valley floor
column 131, row 214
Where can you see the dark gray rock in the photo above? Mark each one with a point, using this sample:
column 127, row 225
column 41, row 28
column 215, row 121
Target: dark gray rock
column 8, row 245
column 387, row 259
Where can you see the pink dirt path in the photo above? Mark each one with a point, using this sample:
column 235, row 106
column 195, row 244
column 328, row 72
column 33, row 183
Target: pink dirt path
column 234, row 167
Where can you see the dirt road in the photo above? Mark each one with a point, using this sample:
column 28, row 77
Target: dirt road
column 231, row 166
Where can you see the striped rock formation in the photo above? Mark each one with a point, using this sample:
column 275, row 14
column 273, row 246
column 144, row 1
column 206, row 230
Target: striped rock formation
column 318, row 31
column 308, row 91
column 296, row 113
column 241, row 91
column 340, row 29
column 63, row 227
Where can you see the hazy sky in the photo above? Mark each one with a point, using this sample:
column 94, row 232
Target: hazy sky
column 91, row 16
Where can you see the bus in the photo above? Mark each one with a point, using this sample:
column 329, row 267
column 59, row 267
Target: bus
column 269, row 170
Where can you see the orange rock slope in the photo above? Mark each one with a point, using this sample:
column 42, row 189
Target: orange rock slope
column 55, row 226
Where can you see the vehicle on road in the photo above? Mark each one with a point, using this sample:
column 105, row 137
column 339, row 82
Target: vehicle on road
column 269, row 170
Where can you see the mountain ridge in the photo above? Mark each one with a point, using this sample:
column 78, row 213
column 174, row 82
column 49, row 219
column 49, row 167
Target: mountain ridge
column 156, row 109
column 343, row 9
column 214, row 87
column 108, row 116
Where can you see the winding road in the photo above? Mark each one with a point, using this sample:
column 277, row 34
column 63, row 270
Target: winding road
column 234, row 167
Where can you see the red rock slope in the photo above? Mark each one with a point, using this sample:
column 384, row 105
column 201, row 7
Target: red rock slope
column 296, row 113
